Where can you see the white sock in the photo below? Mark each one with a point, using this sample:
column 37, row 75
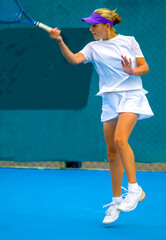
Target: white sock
column 117, row 200
column 133, row 187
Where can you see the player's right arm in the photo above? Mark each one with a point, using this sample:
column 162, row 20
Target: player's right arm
column 68, row 55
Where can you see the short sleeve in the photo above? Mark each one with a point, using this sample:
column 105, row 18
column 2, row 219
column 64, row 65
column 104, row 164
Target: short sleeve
column 87, row 52
column 136, row 48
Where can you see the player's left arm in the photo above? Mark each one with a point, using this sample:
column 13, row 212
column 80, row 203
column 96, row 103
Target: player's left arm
column 142, row 67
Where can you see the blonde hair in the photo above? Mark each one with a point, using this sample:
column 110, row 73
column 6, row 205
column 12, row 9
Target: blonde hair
column 110, row 15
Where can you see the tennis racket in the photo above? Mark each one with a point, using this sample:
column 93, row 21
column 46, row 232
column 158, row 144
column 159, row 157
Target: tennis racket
column 11, row 11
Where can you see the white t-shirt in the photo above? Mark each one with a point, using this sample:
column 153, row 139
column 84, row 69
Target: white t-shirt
column 106, row 58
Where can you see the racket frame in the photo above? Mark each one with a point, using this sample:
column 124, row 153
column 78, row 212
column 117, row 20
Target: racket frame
column 30, row 22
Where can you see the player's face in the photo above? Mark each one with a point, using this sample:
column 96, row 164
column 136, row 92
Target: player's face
column 98, row 31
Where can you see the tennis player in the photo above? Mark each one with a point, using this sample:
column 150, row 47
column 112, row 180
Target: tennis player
column 119, row 62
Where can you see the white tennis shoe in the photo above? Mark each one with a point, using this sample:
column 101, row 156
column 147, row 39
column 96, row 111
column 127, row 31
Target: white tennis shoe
column 131, row 200
column 112, row 213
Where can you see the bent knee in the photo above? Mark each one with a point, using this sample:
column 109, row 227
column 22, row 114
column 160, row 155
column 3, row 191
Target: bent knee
column 120, row 142
column 112, row 156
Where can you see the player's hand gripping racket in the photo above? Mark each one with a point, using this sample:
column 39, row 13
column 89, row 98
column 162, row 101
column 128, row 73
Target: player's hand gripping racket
column 11, row 11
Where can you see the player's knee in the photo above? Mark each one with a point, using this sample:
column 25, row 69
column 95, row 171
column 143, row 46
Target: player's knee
column 120, row 141
column 112, row 156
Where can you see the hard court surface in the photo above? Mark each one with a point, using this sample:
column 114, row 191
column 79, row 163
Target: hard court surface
column 67, row 204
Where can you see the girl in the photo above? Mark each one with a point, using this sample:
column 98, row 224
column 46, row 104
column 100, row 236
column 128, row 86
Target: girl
column 119, row 62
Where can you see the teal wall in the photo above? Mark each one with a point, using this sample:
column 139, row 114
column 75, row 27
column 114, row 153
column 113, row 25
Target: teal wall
column 35, row 124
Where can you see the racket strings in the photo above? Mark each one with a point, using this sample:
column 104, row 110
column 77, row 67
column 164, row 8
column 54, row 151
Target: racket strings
column 9, row 11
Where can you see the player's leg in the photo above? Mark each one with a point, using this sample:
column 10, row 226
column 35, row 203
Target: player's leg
column 116, row 171
column 116, row 168
column 125, row 125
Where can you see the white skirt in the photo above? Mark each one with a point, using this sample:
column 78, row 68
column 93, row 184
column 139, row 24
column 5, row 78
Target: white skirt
column 133, row 101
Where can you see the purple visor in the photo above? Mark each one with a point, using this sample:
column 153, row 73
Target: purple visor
column 96, row 18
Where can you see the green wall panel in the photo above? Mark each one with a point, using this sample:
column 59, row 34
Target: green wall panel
column 35, row 125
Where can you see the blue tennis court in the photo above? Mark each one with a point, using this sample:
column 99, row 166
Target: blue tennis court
column 67, row 204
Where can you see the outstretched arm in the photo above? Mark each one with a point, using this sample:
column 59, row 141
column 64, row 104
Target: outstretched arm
column 68, row 55
column 141, row 69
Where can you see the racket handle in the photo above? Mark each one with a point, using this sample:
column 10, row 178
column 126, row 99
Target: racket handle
column 45, row 27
